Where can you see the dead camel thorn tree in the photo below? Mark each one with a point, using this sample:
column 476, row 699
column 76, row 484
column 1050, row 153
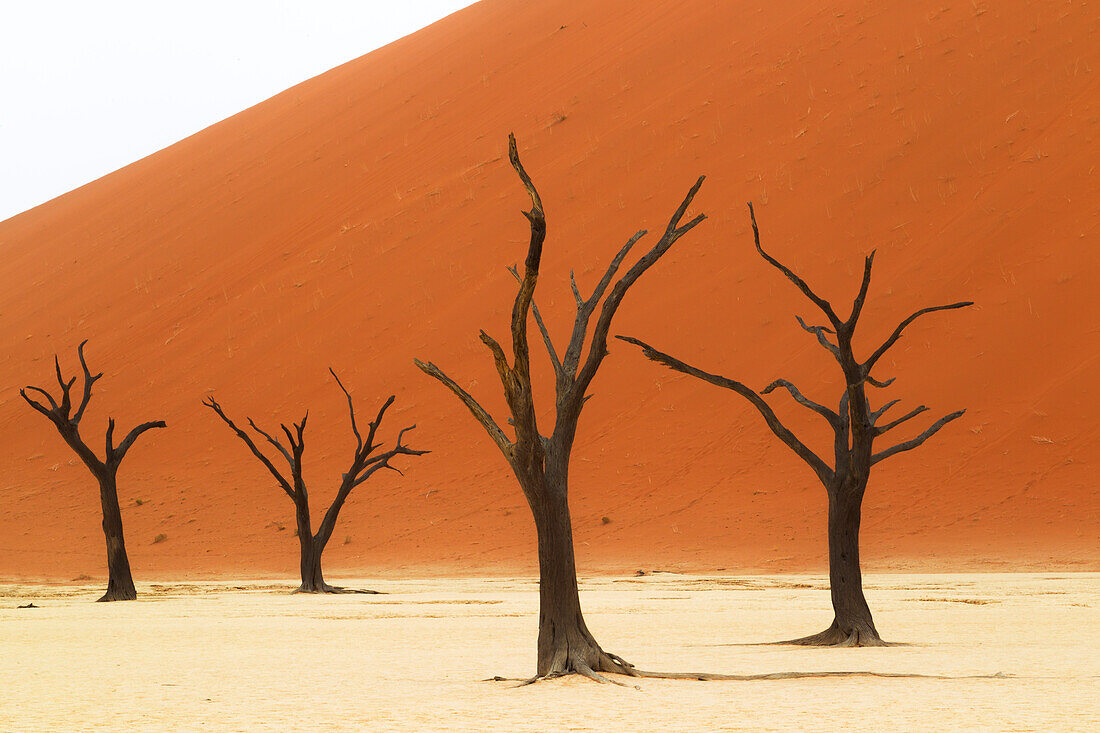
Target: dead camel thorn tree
column 855, row 426
column 541, row 463
column 120, row 584
column 363, row 466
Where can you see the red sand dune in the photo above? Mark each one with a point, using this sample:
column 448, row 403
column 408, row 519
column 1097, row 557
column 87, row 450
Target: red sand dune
column 366, row 217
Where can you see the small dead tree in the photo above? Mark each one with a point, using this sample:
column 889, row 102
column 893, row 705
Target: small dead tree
column 364, row 464
column 541, row 463
column 856, row 427
column 120, row 584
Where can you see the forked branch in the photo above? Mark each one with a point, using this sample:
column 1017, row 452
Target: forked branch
column 586, row 307
column 381, row 460
column 89, row 380
column 546, row 340
column 537, row 219
column 822, row 339
column 247, row 439
column 911, row 444
column 362, row 459
column 68, row 424
column 115, row 456
column 273, row 441
column 874, row 416
column 891, row 425
column 857, row 305
column 598, row 348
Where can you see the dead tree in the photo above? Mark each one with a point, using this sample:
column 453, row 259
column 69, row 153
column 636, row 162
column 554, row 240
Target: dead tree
column 855, row 427
column 540, row 463
column 364, row 464
column 120, row 584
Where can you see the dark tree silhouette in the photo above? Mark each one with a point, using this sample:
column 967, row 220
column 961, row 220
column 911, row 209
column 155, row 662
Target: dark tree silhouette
column 363, row 466
column 540, row 463
column 120, row 584
column 855, row 426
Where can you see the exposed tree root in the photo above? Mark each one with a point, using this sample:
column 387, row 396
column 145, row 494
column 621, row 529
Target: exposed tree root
column 708, row 676
column 836, row 637
column 595, row 664
column 326, row 588
column 117, row 595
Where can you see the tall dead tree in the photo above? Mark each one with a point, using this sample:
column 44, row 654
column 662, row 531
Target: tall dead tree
column 120, row 584
column 541, row 463
column 855, row 426
column 364, row 464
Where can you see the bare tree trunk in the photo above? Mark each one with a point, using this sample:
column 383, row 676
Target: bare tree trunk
column 564, row 644
column 852, row 622
column 120, row 583
column 312, row 579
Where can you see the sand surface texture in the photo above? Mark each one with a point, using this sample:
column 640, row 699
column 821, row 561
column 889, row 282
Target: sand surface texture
column 366, row 217
column 251, row 657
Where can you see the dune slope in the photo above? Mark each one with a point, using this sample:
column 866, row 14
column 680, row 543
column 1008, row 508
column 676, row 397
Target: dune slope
column 367, row 216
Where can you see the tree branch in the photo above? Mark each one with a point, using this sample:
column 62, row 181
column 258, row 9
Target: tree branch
column 857, row 305
column 361, row 470
column 517, row 380
column 89, row 380
column 479, row 412
column 351, row 411
column 586, row 307
column 500, row 360
column 41, row 408
column 870, row 363
column 911, row 444
column 381, row 460
column 820, row 302
column 537, row 219
column 874, row 416
column 370, row 446
column 66, row 400
column 900, row 420
column 68, row 426
column 824, row 473
column 271, row 439
column 133, row 435
column 830, row 416
column 217, row 408
column 110, row 440
column 542, row 326
column 820, row 332
column 116, row 456
column 598, row 348
column 297, row 446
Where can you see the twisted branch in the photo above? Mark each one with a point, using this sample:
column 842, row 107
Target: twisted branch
column 832, row 417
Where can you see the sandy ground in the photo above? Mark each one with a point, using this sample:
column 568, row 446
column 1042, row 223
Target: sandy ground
column 249, row 656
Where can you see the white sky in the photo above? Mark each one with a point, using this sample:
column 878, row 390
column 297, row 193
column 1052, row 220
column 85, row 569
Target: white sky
column 89, row 86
